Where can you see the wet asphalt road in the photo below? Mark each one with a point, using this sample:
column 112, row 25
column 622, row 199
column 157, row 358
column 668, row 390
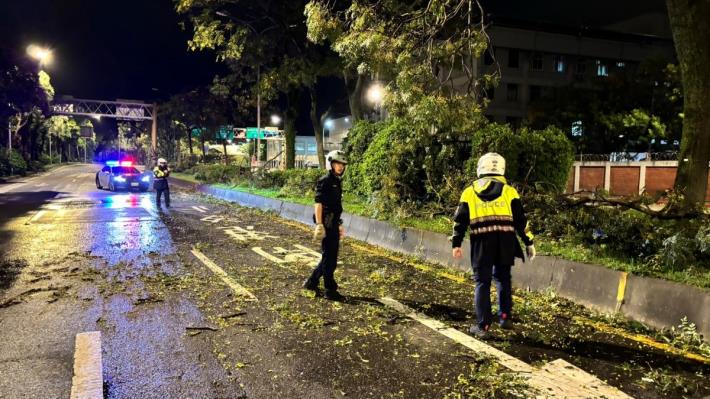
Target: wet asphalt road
column 74, row 258
column 56, row 230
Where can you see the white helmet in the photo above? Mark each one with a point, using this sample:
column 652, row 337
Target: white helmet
column 335, row 156
column 162, row 161
column 491, row 164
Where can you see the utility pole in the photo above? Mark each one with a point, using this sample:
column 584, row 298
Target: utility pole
column 258, row 117
column 9, row 142
column 154, row 136
column 50, row 148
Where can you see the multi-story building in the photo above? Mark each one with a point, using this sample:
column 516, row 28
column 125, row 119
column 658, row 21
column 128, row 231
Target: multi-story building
column 533, row 58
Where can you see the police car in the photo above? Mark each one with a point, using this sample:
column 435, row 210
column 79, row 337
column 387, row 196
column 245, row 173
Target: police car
column 122, row 175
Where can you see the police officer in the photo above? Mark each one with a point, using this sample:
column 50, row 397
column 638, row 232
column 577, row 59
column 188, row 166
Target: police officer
column 493, row 210
column 160, row 182
column 329, row 228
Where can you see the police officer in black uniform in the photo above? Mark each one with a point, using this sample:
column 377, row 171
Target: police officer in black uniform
column 329, row 228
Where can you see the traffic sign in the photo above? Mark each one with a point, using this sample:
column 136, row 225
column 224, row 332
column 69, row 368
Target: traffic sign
column 225, row 133
column 252, row 133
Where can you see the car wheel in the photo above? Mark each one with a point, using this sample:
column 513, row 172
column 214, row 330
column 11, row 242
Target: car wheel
column 98, row 183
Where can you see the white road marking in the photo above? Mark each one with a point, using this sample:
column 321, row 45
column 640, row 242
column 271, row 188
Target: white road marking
column 11, row 187
column 290, row 256
column 212, row 219
column 151, row 211
column 269, row 256
column 87, row 382
column 36, row 216
column 236, row 287
column 557, row 379
column 199, row 209
column 242, row 235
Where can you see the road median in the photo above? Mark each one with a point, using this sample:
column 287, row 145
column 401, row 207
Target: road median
column 655, row 302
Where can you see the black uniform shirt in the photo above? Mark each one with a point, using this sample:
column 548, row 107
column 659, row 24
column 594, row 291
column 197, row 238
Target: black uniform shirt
column 329, row 192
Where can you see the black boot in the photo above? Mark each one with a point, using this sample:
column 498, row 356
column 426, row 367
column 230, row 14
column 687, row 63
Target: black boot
column 334, row 295
column 310, row 285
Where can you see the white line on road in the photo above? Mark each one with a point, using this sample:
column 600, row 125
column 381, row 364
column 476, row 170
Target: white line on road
column 87, row 382
column 11, row 187
column 36, row 216
column 199, row 209
column 236, row 287
column 557, row 379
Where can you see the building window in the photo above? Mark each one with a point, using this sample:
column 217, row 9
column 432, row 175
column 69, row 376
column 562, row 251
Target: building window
column 513, row 58
column 577, row 129
column 581, row 68
column 559, row 64
column 602, row 69
column 512, row 94
column 488, row 57
column 536, row 62
column 535, row 92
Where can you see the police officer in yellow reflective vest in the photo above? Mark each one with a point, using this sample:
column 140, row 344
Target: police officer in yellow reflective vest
column 492, row 210
column 160, row 182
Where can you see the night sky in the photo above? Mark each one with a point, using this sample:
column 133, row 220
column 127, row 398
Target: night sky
column 109, row 49
column 135, row 49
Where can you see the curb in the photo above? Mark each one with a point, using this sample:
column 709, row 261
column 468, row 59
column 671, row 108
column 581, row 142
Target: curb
column 655, row 302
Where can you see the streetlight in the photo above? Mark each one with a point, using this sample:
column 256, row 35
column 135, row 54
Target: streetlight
column 41, row 54
column 275, row 120
column 376, row 93
column 375, row 96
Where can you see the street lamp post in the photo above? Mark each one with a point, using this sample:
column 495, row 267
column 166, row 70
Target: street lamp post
column 258, row 77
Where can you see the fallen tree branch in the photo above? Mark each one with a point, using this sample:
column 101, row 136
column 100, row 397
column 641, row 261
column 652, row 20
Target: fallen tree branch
column 641, row 204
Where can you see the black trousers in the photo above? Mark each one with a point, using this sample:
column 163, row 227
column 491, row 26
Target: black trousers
column 329, row 259
column 162, row 188
column 482, row 274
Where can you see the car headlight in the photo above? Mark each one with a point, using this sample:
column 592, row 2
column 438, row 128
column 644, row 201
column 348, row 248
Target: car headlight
column 146, row 179
column 119, row 179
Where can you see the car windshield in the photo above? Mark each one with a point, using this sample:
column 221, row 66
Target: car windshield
column 124, row 170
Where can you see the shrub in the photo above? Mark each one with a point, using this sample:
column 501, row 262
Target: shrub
column 356, row 144
column 12, row 162
column 300, row 182
column 218, row 173
column 533, row 157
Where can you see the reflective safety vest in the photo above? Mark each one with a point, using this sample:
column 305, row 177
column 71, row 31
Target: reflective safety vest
column 489, row 208
column 159, row 173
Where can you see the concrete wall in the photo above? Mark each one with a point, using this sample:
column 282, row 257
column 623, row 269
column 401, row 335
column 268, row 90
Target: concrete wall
column 655, row 302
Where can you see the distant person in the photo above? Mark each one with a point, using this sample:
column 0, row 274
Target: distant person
column 329, row 226
column 494, row 212
column 160, row 182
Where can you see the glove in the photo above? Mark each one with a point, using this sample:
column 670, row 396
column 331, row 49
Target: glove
column 530, row 250
column 319, row 232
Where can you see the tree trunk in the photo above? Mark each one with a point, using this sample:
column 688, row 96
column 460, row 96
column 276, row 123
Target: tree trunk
column 202, row 145
column 691, row 34
column 189, row 142
column 290, row 137
column 354, row 90
column 317, row 128
column 226, row 158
